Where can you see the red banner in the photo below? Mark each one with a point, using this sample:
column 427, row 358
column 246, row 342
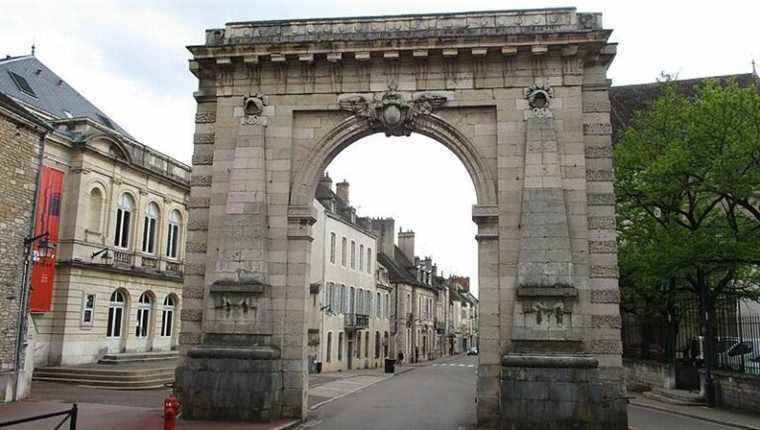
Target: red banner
column 44, row 249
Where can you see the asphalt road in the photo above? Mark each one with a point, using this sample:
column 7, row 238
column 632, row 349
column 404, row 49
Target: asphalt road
column 441, row 396
column 431, row 397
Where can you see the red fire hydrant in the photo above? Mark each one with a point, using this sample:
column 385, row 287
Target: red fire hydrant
column 171, row 410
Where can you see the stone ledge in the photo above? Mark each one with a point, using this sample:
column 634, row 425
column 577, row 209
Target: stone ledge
column 257, row 353
column 231, row 286
column 558, row 291
column 550, row 361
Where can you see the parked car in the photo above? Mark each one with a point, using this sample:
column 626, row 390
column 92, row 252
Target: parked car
column 472, row 351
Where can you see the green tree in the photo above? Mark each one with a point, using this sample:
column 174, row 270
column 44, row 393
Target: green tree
column 687, row 181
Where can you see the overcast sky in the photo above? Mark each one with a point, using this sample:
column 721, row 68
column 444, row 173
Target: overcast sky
column 129, row 58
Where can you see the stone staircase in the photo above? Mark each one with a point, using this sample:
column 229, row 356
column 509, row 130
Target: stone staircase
column 675, row 397
column 126, row 371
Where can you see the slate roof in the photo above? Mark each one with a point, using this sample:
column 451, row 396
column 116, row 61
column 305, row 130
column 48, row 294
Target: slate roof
column 398, row 267
column 627, row 99
column 52, row 95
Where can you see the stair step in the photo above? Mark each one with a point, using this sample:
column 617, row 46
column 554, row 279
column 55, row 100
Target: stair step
column 105, row 360
column 124, row 385
column 166, row 355
column 100, row 376
column 673, row 400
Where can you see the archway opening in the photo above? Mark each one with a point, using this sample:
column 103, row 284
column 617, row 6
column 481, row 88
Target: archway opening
column 394, row 245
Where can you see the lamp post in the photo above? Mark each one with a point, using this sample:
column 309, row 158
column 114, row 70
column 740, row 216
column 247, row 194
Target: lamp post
column 106, row 256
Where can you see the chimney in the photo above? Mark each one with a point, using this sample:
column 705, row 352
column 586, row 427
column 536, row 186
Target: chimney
column 383, row 228
column 406, row 243
column 326, row 181
column 341, row 189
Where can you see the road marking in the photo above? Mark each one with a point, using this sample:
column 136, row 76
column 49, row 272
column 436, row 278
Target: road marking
column 461, row 365
column 470, row 365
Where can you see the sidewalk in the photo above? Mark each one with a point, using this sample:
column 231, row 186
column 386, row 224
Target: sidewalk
column 327, row 387
column 724, row 417
column 93, row 416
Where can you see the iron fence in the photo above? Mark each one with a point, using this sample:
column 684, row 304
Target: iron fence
column 69, row 415
column 736, row 339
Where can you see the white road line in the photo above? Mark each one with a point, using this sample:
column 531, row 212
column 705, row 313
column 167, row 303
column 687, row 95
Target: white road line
column 461, row 365
column 470, row 365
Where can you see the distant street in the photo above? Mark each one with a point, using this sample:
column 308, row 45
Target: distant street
column 441, row 396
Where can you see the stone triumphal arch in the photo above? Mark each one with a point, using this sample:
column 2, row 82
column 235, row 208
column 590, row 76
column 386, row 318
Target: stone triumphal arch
column 519, row 96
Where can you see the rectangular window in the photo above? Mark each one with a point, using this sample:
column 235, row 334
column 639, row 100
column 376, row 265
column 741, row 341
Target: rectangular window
column 379, row 310
column 121, row 236
column 369, row 260
column 329, row 347
column 340, row 346
column 361, row 257
column 88, row 309
column 343, row 251
column 332, row 248
column 353, row 254
column 171, row 241
column 149, row 234
column 343, row 299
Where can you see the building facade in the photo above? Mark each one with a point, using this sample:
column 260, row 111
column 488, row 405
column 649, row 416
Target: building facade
column 115, row 212
column 348, row 312
column 21, row 137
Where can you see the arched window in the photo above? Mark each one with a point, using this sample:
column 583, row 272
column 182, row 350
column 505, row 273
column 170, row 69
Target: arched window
column 172, row 239
column 123, row 221
column 167, row 315
column 115, row 314
column 95, row 210
column 377, row 344
column 149, row 228
column 143, row 315
column 329, row 347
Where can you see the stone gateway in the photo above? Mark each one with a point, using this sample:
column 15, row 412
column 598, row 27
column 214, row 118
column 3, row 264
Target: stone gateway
column 520, row 97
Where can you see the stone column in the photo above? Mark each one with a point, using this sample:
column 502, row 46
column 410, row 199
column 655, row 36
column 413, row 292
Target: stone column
column 232, row 371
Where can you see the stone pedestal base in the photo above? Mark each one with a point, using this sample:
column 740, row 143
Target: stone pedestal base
column 559, row 392
column 230, row 384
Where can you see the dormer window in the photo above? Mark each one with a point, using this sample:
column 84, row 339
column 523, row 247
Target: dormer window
column 22, row 84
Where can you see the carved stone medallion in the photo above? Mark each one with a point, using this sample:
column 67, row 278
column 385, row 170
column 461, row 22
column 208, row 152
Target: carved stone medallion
column 392, row 113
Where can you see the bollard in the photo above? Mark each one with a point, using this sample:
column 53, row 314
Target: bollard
column 171, row 410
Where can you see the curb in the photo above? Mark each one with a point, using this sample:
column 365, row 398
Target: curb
column 340, row 396
column 696, row 417
column 291, row 425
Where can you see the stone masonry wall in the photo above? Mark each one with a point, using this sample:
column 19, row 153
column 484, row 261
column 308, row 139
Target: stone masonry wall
column 738, row 391
column 19, row 146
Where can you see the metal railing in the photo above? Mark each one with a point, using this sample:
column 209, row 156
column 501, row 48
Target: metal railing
column 736, row 346
column 355, row 321
column 68, row 415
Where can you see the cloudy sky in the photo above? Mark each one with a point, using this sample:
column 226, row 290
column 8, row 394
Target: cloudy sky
column 129, row 58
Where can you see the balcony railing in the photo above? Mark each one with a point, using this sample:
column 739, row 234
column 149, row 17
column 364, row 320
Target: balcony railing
column 125, row 259
column 440, row 326
column 355, row 321
column 122, row 258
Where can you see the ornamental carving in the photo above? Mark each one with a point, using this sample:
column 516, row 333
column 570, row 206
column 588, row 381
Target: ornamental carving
column 392, row 113
column 253, row 108
column 539, row 98
column 547, row 313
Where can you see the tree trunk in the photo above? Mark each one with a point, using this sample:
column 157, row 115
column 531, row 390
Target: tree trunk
column 706, row 313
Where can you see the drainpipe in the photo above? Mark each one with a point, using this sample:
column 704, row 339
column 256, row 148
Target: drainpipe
column 21, row 325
